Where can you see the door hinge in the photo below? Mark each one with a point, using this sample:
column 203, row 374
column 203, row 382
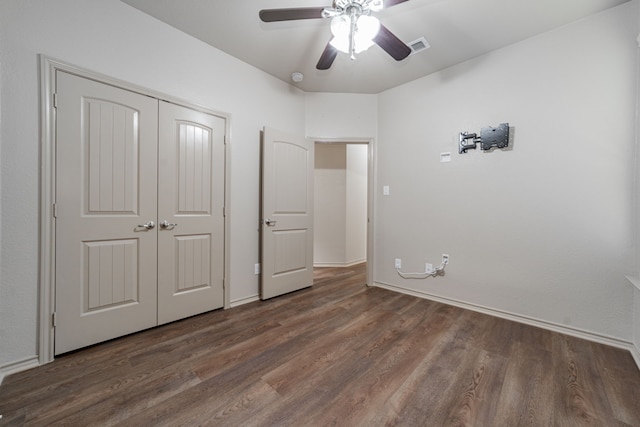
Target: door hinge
column 55, row 100
column 55, row 210
column 224, row 212
column 53, row 319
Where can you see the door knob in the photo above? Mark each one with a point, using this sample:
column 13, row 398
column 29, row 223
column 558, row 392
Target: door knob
column 150, row 225
column 167, row 224
column 269, row 222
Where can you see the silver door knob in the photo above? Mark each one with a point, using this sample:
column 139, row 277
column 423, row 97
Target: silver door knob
column 150, row 225
column 269, row 222
column 167, row 224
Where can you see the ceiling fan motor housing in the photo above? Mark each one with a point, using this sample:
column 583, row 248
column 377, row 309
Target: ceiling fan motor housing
column 368, row 5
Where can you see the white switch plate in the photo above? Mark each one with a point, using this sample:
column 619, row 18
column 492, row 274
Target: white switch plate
column 385, row 190
column 445, row 157
column 398, row 263
column 256, row 268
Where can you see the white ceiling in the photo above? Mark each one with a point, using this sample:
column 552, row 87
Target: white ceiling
column 457, row 30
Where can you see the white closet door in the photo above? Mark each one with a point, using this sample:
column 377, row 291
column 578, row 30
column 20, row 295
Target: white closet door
column 190, row 212
column 106, row 259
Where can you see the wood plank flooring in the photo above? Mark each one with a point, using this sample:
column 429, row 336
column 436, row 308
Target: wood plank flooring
column 335, row 354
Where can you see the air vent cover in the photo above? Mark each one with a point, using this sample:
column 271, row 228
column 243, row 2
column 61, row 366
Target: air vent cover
column 418, row 45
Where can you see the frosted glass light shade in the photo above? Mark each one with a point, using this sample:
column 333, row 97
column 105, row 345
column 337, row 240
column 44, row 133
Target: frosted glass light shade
column 341, row 26
column 367, row 28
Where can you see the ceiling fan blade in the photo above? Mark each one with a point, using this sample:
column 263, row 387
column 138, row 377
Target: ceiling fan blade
column 328, row 56
column 273, row 15
column 391, row 44
column 389, row 3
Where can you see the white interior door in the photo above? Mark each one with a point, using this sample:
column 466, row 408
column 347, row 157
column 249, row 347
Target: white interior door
column 139, row 212
column 287, row 213
column 106, row 263
column 190, row 212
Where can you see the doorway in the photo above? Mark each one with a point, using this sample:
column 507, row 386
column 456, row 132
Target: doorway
column 287, row 209
column 343, row 203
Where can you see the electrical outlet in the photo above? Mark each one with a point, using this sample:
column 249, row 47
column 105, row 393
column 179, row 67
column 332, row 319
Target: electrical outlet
column 428, row 268
column 256, row 268
column 398, row 263
column 445, row 258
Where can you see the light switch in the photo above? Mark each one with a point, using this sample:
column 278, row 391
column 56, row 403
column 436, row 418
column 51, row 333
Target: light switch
column 385, row 190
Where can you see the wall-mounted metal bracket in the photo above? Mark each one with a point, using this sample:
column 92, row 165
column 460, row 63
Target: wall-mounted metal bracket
column 489, row 138
column 463, row 145
column 495, row 137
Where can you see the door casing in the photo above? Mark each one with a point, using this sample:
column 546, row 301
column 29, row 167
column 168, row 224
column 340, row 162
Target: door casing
column 47, row 238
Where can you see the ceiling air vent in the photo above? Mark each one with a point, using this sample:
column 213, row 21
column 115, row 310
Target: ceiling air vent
column 418, row 45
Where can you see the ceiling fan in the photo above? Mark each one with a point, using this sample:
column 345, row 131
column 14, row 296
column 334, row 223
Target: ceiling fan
column 353, row 27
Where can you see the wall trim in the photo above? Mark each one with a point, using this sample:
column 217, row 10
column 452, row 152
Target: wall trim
column 531, row 321
column 20, row 365
column 635, row 353
column 245, row 300
column 46, row 237
column 339, row 264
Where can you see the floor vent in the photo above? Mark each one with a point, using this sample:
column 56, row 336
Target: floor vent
column 418, row 45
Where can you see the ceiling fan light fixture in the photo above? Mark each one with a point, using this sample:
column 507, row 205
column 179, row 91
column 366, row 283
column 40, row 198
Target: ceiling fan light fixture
column 340, row 43
column 340, row 26
column 353, row 28
column 366, row 29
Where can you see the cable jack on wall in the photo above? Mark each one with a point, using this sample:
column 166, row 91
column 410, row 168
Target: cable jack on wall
column 429, row 270
column 489, row 137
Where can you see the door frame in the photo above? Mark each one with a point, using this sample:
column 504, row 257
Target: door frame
column 371, row 163
column 46, row 234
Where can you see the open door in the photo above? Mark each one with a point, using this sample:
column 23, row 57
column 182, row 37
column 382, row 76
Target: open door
column 287, row 213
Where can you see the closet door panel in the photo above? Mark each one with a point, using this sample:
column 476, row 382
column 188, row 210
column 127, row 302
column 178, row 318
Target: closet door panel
column 106, row 263
column 190, row 213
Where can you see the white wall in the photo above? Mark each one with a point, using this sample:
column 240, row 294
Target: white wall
column 111, row 38
column 341, row 115
column 544, row 231
column 329, row 208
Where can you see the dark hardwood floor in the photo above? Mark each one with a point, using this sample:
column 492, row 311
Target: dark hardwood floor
column 335, row 354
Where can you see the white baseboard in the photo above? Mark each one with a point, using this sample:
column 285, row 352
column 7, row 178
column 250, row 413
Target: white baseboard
column 243, row 301
column 563, row 329
column 339, row 264
column 635, row 353
column 15, row 367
